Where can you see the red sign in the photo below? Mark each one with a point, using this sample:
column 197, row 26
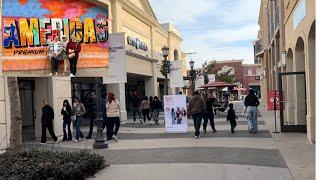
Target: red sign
column 271, row 97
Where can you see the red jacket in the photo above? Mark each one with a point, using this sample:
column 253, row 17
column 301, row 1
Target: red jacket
column 74, row 46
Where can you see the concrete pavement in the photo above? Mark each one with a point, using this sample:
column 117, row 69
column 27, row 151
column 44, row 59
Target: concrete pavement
column 147, row 152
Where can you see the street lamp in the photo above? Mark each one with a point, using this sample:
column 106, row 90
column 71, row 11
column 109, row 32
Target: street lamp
column 99, row 141
column 165, row 68
column 192, row 75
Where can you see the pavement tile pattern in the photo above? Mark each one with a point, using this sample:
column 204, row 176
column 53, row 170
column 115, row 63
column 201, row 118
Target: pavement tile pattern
column 143, row 147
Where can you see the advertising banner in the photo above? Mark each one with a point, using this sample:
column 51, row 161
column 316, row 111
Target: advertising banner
column 212, row 78
column 199, row 81
column 271, row 96
column 117, row 59
column 29, row 26
column 176, row 78
column 175, row 112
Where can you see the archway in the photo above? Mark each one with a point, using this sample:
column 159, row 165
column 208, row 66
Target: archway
column 289, row 98
column 299, row 83
column 176, row 55
column 310, row 74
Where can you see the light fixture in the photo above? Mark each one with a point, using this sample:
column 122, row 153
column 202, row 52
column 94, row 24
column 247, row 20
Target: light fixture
column 165, row 51
column 191, row 64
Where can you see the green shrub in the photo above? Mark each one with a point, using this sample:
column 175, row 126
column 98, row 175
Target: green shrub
column 39, row 165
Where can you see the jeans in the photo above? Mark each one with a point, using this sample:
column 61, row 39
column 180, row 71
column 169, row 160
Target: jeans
column 145, row 113
column 252, row 118
column 111, row 121
column 197, row 118
column 136, row 110
column 73, row 65
column 54, row 65
column 78, row 130
column 92, row 120
column 156, row 115
column 208, row 116
column 48, row 125
column 65, row 124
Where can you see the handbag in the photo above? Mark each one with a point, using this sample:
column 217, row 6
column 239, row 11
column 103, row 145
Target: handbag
column 73, row 118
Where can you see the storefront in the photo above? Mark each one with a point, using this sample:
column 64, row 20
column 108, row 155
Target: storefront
column 143, row 38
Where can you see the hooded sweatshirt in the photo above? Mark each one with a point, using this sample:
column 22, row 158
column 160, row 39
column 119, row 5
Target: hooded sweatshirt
column 196, row 105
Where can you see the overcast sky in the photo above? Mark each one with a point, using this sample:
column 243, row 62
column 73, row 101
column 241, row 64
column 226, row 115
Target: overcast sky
column 215, row 29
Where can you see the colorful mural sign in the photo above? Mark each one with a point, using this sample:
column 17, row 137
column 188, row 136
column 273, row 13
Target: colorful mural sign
column 29, row 26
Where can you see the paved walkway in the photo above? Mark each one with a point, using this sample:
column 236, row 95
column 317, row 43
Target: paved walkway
column 147, row 152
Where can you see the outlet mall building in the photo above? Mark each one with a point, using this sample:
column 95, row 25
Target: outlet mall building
column 23, row 56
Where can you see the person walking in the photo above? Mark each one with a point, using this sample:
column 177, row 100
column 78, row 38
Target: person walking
column 92, row 112
column 156, row 109
column 208, row 115
column 231, row 117
column 78, row 111
column 73, row 49
column 251, row 103
column 66, row 112
column 196, row 108
column 151, row 108
column 113, row 117
column 136, row 102
column 145, row 107
column 47, row 122
column 55, row 54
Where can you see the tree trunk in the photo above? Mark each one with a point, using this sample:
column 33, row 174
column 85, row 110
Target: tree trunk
column 15, row 109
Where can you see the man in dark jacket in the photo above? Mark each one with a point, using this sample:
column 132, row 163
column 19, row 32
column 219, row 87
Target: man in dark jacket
column 47, row 122
column 136, row 102
column 92, row 112
column 196, row 108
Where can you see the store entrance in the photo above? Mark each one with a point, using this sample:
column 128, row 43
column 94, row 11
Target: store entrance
column 26, row 92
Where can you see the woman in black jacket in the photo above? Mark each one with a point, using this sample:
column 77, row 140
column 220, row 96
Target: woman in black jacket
column 157, row 106
column 66, row 112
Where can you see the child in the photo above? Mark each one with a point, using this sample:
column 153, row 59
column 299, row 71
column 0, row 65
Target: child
column 232, row 117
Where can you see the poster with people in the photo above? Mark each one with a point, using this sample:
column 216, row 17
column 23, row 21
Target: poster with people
column 175, row 111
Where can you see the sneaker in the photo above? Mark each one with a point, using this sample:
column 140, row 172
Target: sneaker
column 196, row 137
column 43, row 143
column 88, row 137
column 141, row 121
column 75, row 140
column 50, row 74
column 115, row 138
column 56, row 141
column 214, row 131
column 57, row 73
column 204, row 132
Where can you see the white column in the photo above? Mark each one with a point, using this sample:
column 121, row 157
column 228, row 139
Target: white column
column 5, row 120
column 310, row 75
column 59, row 90
column 119, row 91
column 151, row 86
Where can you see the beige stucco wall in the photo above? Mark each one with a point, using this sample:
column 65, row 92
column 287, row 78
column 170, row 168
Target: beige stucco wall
column 4, row 116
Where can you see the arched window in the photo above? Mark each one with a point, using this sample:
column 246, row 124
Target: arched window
column 176, row 55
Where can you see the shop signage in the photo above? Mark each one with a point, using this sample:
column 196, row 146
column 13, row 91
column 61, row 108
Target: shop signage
column 271, row 97
column 175, row 110
column 117, row 63
column 29, row 26
column 137, row 43
column 176, row 78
